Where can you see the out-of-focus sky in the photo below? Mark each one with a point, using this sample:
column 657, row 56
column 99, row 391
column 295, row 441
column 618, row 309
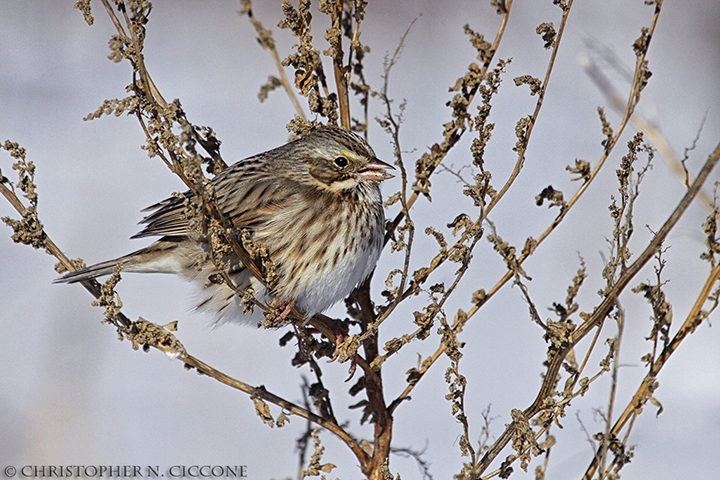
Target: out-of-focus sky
column 70, row 393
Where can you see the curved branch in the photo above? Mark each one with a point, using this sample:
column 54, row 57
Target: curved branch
column 262, row 393
column 533, row 118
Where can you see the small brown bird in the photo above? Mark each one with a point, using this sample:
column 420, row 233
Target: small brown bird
column 313, row 203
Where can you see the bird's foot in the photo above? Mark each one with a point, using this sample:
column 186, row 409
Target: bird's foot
column 278, row 311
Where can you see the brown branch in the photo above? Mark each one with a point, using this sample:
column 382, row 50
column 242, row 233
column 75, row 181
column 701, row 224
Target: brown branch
column 176, row 166
column 641, row 124
column 146, row 85
column 93, row 287
column 455, row 133
column 137, row 59
column 647, row 386
column 393, row 128
column 338, row 68
column 633, row 98
column 533, row 118
column 266, row 41
column 602, row 310
column 262, row 393
column 518, row 166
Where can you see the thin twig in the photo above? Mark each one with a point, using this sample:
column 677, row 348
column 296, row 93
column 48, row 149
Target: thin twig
column 262, row 393
column 266, row 40
column 602, row 310
column 454, row 134
column 338, row 69
column 642, row 125
column 647, row 386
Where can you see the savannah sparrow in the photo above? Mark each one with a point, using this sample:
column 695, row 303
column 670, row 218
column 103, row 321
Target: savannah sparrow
column 313, row 203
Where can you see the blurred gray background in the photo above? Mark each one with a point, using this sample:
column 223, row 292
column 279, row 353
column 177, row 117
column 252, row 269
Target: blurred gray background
column 70, row 393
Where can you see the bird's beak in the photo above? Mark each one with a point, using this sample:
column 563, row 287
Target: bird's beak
column 375, row 171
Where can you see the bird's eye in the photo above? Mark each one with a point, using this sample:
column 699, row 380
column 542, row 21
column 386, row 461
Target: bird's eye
column 341, row 162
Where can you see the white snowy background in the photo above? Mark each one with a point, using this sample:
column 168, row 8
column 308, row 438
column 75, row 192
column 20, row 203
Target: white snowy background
column 70, row 393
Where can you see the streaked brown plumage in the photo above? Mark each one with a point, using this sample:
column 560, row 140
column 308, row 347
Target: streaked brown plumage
column 313, row 203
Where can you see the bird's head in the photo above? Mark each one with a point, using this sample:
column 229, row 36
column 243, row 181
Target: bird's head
column 338, row 160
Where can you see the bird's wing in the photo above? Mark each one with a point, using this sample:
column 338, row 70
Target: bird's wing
column 252, row 204
column 167, row 218
column 248, row 205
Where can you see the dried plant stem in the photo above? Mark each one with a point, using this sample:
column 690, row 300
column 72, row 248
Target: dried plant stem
column 632, row 270
column 174, row 163
column 516, row 170
column 262, row 393
column 338, row 68
column 602, row 310
column 513, row 176
column 137, row 60
column 633, row 98
column 187, row 150
column 615, row 351
column 286, row 84
column 266, row 40
column 93, row 287
column 647, row 386
column 533, row 118
column 651, row 131
column 632, row 101
column 454, row 134
column 393, row 128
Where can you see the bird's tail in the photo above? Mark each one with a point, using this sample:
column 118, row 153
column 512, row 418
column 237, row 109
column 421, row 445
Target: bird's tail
column 93, row 271
column 155, row 258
